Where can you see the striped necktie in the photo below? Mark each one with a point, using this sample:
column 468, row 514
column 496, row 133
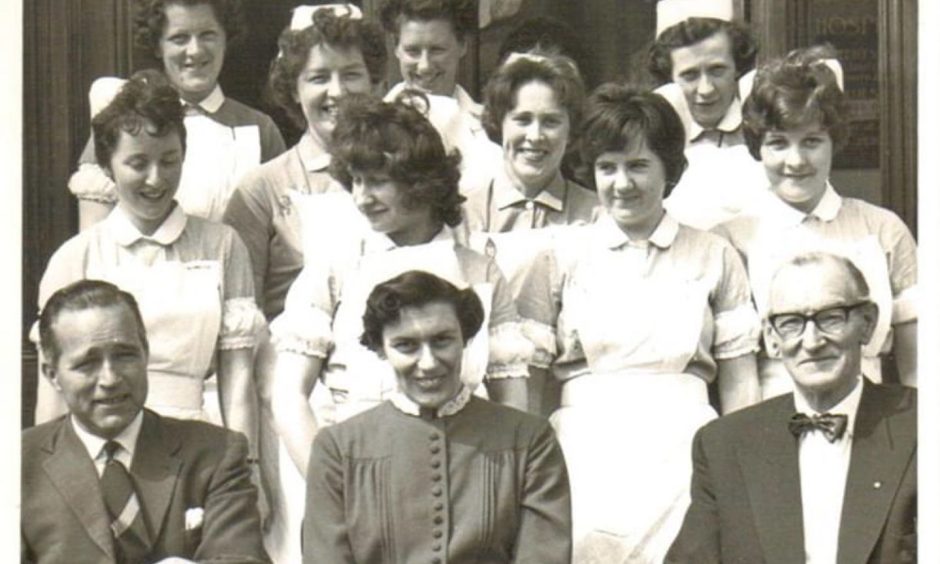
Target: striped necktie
column 131, row 538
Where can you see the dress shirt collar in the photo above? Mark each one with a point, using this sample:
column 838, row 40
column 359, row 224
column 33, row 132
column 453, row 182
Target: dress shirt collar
column 505, row 193
column 375, row 242
column 848, row 406
column 126, row 233
column 777, row 210
column 126, row 438
column 729, row 123
column 211, row 103
column 612, row 237
column 404, row 404
column 313, row 153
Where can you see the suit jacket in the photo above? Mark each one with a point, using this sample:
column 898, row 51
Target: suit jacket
column 177, row 466
column 746, row 504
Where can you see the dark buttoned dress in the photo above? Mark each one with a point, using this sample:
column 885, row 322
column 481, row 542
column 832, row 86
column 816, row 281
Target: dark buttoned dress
column 486, row 484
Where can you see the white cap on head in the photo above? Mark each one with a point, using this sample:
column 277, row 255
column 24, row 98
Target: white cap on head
column 671, row 12
column 102, row 92
column 302, row 17
column 746, row 82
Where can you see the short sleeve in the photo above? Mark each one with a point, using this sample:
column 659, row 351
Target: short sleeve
column 901, row 252
column 90, row 182
column 306, row 324
column 737, row 325
column 241, row 318
column 510, row 350
column 539, row 304
column 272, row 143
column 250, row 215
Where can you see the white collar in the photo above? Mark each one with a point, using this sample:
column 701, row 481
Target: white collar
column 375, row 242
column 404, row 404
column 729, row 123
column 313, row 152
column 507, row 194
column 126, row 233
column 212, row 102
column 467, row 104
column 848, row 406
column 611, row 236
column 126, row 438
column 827, row 209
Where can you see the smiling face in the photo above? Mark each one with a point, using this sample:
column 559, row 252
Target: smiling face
column 798, row 162
column 381, row 201
column 535, row 135
column 146, row 172
column 192, row 48
column 824, row 367
column 425, row 348
column 101, row 370
column 429, row 53
column 330, row 74
column 630, row 185
column 705, row 71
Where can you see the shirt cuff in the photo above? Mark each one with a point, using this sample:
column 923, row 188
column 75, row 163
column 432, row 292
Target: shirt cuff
column 510, row 352
column 308, row 332
column 242, row 322
column 904, row 306
column 90, row 183
column 737, row 332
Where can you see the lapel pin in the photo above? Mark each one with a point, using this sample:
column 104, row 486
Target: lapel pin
column 877, row 484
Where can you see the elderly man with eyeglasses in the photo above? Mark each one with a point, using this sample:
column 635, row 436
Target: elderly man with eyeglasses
column 825, row 474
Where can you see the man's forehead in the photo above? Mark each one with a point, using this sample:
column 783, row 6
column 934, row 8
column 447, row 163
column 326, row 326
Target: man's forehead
column 97, row 324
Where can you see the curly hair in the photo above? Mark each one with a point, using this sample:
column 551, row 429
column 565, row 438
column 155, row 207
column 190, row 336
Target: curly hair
column 462, row 14
column 80, row 296
column 792, row 91
column 150, row 19
column 617, row 117
column 327, row 29
column 416, row 288
column 693, row 30
column 147, row 100
column 559, row 72
column 395, row 138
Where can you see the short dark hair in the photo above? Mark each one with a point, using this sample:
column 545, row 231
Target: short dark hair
column 395, row 138
column 78, row 296
column 794, row 90
column 618, row 116
column 327, row 29
column 693, row 30
column 146, row 100
column 559, row 72
column 416, row 288
column 461, row 14
column 546, row 34
column 150, row 19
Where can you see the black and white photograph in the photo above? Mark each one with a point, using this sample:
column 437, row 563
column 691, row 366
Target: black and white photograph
column 472, row 281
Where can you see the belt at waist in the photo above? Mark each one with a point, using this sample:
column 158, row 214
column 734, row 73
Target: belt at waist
column 646, row 390
column 173, row 390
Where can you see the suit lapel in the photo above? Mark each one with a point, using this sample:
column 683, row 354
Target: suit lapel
column 73, row 474
column 881, row 451
column 769, row 461
column 155, row 469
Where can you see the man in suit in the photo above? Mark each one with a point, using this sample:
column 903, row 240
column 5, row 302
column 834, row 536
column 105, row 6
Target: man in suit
column 825, row 474
column 112, row 481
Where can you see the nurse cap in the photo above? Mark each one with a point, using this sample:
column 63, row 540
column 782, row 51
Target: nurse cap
column 102, row 92
column 671, row 12
column 302, row 17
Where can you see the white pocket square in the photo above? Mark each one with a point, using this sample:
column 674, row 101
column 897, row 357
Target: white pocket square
column 193, row 518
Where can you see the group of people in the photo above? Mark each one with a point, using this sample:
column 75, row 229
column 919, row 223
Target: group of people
column 457, row 332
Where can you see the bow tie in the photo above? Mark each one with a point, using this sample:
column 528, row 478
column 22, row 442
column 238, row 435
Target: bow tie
column 832, row 426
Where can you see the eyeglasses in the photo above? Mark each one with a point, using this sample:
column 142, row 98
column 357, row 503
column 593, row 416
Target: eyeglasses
column 831, row 321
